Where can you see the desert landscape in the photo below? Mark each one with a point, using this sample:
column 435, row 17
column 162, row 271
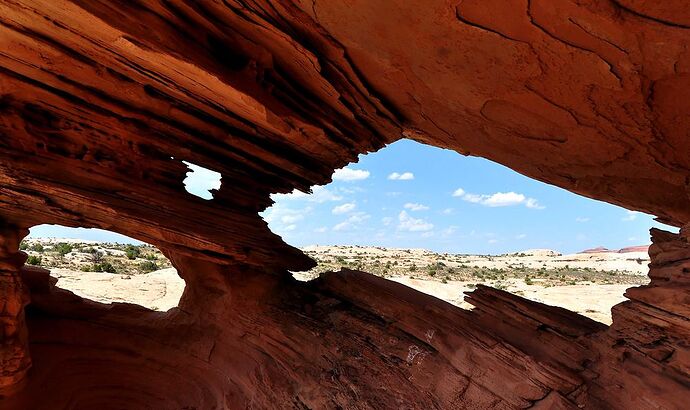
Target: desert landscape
column 103, row 105
column 589, row 283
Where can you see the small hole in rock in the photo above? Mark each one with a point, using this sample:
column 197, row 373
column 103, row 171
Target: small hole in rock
column 200, row 181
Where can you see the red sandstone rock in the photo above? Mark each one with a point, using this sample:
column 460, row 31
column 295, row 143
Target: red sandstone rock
column 100, row 101
column 598, row 249
column 629, row 249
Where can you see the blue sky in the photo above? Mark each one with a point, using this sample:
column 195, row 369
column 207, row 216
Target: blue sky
column 413, row 195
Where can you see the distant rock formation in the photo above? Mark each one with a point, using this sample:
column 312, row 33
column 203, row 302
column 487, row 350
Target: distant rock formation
column 598, row 249
column 629, row 249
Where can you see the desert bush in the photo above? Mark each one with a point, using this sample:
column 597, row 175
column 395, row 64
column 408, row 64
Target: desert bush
column 37, row 247
column 95, row 256
column 63, row 248
column 132, row 252
column 103, row 267
column 148, row 266
column 34, row 260
column 23, row 245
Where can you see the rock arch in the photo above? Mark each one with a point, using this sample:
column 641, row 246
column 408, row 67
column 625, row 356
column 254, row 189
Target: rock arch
column 97, row 96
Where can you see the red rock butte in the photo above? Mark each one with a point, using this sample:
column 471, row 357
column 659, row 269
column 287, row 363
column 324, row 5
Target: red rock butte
column 102, row 100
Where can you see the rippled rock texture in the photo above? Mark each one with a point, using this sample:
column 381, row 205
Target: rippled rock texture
column 101, row 101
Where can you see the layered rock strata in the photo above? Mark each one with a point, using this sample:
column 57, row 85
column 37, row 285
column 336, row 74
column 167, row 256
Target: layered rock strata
column 101, row 101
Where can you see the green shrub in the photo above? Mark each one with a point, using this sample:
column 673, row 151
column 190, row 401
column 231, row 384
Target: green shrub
column 104, row 267
column 63, row 248
column 132, row 252
column 37, row 247
column 148, row 266
column 23, row 246
column 34, row 260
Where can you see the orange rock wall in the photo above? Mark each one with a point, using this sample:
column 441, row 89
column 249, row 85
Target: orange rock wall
column 102, row 100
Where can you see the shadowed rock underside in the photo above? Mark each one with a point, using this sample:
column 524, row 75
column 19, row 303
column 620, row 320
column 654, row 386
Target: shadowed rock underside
column 102, row 100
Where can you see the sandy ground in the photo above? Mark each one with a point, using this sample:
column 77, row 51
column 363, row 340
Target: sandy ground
column 633, row 262
column 591, row 300
column 162, row 289
column 159, row 290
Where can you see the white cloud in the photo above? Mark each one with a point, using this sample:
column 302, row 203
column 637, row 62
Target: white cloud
column 358, row 217
column 415, row 207
column 581, row 219
column 492, row 241
column 632, row 239
column 344, row 208
column 289, row 228
column 386, row 220
column 630, row 216
column 533, row 204
column 447, row 211
column 498, row 199
column 503, row 199
column 321, row 229
column 408, row 223
column 352, row 222
column 428, row 234
column 281, row 214
column 341, row 226
column 290, row 219
column 405, row 176
column 349, row 174
column 474, row 198
column 449, row 231
column 521, row 236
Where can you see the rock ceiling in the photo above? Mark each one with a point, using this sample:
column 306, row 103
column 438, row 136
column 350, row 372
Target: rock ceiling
column 102, row 100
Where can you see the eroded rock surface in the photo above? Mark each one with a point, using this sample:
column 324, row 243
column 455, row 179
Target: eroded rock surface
column 101, row 101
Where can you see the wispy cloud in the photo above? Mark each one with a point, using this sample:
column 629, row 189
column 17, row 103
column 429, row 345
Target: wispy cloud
column 415, row 207
column 498, row 199
column 449, row 231
column 630, row 216
column 352, row 222
column 447, row 211
column 344, row 208
column 581, row 219
column 349, row 174
column 405, row 176
column 410, row 224
column 283, row 215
